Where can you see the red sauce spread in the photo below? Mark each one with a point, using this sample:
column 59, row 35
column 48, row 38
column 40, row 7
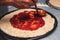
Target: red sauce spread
column 27, row 20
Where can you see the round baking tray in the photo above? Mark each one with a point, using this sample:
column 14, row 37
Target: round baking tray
column 5, row 36
column 49, row 4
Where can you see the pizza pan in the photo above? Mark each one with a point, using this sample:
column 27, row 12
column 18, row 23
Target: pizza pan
column 49, row 4
column 5, row 36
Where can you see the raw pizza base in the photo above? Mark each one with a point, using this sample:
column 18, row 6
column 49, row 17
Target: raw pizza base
column 6, row 26
column 55, row 3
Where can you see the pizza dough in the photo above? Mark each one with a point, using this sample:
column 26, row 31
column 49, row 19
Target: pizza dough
column 6, row 27
column 55, row 3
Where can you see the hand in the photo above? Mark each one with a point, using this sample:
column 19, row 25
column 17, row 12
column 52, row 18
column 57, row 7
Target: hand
column 22, row 3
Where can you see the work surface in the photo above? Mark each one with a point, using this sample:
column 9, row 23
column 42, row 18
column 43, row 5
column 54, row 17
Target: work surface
column 41, row 4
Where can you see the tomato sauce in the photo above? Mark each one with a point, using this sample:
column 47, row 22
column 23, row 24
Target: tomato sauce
column 27, row 20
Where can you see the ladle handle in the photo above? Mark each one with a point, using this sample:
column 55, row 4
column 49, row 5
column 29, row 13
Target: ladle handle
column 35, row 6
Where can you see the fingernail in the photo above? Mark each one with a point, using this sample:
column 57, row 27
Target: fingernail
column 25, row 0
